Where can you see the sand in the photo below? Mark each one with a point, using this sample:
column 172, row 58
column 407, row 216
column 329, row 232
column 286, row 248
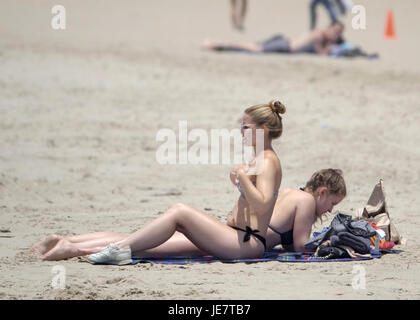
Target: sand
column 81, row 107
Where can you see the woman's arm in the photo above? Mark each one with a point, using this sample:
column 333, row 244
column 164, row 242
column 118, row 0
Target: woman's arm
column 304, row 219
column 260, row 197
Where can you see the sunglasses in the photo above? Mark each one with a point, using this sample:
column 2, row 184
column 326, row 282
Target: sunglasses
column 245, row 126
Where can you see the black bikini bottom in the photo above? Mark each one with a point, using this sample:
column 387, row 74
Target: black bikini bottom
column 249, row 232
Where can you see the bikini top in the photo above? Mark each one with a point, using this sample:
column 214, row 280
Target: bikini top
column 276, row 193
column 286, row 237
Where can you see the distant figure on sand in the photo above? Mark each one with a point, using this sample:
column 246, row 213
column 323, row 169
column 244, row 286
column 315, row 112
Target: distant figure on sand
column 334, row 8
column 238, row 11
column 316, row 42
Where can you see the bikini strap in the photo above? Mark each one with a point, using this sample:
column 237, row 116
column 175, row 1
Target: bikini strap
column 286, row 238
column 249, row 232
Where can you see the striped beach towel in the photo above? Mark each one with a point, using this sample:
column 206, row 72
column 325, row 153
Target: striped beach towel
column 274, row 255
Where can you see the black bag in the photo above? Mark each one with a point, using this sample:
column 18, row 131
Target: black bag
column 332, row 253
column 341, row 223
column 359, row 228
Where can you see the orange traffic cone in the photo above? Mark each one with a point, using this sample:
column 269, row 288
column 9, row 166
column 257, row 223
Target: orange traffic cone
column 389, row 27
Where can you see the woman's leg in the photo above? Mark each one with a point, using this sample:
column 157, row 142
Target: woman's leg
column 81, row 245
column 45, row 245
column 96, row 236
column 51, row 241
column 209, row 236
column 204, row 231
column 177, row 245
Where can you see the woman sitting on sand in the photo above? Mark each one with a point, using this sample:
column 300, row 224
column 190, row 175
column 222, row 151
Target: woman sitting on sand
column 252, row 213
column 315, row 41
column 294, row 214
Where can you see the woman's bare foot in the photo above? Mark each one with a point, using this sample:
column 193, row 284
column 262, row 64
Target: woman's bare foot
column 64, row 249
column 46, row 245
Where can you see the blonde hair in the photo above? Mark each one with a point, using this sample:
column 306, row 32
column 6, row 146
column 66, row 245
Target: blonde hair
column 268, row 115
column 330, row 178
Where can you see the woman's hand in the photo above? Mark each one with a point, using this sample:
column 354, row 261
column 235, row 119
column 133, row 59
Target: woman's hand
column 234, row 177
column 244, row 169
column 234, row 174
column 239, row 170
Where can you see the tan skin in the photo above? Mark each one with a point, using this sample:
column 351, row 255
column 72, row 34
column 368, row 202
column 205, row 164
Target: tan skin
column 293, row 209
column 185, row 230
column 298, row 210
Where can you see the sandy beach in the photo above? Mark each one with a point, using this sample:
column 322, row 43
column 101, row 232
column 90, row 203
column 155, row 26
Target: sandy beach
column 81, row 107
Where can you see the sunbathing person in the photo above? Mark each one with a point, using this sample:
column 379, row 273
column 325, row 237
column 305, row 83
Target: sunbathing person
column 296, row 211
column 315, row 42
column 252, row 213
column 291, row 223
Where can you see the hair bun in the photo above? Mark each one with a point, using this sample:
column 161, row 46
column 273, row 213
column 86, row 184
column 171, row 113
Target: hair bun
column 277, row 107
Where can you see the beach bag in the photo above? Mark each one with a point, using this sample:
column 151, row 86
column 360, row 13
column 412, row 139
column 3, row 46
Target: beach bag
column 357, row 243
column 376, row 211
column 341, row 223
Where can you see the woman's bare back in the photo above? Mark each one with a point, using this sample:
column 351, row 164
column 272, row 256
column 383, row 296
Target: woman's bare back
column 284, row 215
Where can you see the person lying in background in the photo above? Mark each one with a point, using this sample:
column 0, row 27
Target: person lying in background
column 314, row 42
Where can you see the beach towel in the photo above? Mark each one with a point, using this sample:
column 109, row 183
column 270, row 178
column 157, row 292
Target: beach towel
column 347, row 50
column 273, row 255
